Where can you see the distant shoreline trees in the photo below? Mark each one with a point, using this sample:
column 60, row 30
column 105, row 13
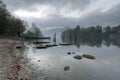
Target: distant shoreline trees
column 9, row 25
column 93, row 36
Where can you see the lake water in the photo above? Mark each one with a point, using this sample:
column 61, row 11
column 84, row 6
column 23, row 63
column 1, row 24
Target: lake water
column 106, row 65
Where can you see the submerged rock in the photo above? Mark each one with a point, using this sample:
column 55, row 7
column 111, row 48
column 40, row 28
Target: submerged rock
column 65, row 44
column 77, row 57
column 38, row 60
column 51, row 45
column 66, row 68
column 41, row 47
column 73, row 53
column 37, row 42
column 88, row 56
column 69, row 53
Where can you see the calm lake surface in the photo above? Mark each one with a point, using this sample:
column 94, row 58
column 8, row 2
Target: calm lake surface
column 106, row 66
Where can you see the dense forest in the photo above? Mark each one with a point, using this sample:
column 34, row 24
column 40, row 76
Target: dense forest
column 9, row 25
column 92, row 36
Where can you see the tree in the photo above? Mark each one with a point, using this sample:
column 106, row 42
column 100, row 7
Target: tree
column 4, row 15
column 107, row 32
column 34, row 31
column 9, row 25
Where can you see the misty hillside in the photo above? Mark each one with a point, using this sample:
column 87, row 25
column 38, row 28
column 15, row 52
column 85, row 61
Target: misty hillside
column 54, row 30
column 51, row 32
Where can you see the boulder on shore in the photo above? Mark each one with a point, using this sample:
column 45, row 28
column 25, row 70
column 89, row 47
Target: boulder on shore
column 88, row 56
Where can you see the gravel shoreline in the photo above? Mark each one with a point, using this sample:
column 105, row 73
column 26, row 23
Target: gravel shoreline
column 10, row 62
column 14, row 64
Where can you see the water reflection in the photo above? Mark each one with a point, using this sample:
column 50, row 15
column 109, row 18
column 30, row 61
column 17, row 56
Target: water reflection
column 92, row 36
column 94, row 42
column 106, row 66
column 51, row 61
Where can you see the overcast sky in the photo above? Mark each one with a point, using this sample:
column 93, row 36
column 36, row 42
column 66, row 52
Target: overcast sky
column 63, row 13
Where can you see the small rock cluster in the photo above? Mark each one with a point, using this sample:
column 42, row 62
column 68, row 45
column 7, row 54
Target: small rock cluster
column 80, row 57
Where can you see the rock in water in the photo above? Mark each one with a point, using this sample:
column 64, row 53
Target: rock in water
column 88, row 56
column 38, row 60
column 77, row 57
column 73, row 52
column 66, row 68
column 69, row 53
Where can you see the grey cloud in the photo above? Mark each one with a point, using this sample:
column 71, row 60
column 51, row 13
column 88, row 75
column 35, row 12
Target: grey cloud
column 110, row 17
column 26, row 4
column 56, row 22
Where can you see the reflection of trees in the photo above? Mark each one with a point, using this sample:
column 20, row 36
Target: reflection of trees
column 92, row 36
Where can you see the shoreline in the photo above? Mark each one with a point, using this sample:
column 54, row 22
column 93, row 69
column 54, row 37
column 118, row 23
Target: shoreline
column 11, row 65
column 14, row 63
column 9, row 37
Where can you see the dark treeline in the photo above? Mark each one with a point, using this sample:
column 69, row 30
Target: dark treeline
column 9, row 25
column 92, row 36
